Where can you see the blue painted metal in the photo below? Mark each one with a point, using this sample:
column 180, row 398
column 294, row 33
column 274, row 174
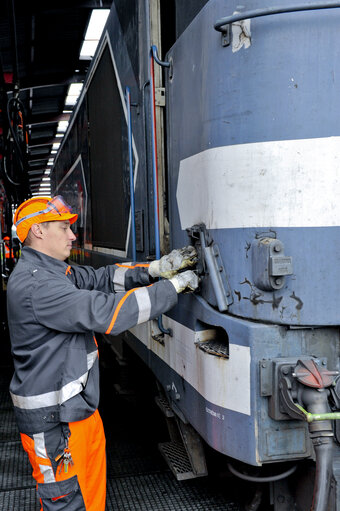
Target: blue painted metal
column 154, row 154
column 156, row 57
column 153, row 52
column 249, row 97
column 132, row 186
column 255, row 438
column 269, row 11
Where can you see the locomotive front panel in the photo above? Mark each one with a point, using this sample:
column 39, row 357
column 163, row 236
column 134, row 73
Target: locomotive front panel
column 253, row 155
column 254, row 145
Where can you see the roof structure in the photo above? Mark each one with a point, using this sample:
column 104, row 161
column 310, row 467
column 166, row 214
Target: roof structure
column 40, row 44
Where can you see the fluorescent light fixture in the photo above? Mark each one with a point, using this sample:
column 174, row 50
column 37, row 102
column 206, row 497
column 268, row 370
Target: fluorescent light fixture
column 47, row 172
column 93, row 33
column 50, row 161
column 97, row 23
column 62, row 126
column 88, row 49
column 54, row 152
column 56, row 145
column 73, row 94
column 75, row 89
column 46, row 179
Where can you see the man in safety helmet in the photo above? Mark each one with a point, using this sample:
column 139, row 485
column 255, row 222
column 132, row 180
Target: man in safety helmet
column 53, row 310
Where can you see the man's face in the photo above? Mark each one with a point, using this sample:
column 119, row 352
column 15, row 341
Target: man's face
column 58, row 238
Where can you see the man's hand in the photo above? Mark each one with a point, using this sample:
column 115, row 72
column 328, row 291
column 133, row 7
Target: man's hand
column 169, row 265
column 187, row 280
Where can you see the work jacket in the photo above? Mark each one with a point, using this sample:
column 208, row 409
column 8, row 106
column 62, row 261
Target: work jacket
column 8, row 253
column 53, row 310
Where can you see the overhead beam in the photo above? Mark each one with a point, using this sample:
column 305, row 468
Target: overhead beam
column 46, row 119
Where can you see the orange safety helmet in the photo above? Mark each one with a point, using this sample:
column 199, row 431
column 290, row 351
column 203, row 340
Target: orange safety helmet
column 6, row 238
column 41, row 209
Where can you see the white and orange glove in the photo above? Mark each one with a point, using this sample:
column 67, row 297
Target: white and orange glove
column 169, row 265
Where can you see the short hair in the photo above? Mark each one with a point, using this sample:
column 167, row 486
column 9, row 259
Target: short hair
column 28, row 241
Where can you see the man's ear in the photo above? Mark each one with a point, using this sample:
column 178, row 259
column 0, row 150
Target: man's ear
column 37, row 231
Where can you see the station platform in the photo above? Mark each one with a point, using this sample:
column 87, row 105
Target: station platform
column 138, row 479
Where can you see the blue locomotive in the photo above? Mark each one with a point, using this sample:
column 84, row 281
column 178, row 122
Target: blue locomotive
column 230, row 143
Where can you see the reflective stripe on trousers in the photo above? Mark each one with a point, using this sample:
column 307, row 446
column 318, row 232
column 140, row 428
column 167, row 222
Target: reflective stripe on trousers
column 83, row 487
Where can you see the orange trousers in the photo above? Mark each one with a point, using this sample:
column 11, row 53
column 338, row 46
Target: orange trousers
column 83, row 486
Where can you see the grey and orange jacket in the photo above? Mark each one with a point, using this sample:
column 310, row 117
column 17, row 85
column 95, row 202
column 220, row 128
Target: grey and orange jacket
column 53, row 310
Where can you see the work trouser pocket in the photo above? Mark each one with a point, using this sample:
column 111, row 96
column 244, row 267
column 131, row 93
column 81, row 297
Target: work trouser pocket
column 61, row 496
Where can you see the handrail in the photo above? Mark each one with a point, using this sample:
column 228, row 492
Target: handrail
column 160, row 62
column 132, row 187
column 153, row 53
column 268, row 11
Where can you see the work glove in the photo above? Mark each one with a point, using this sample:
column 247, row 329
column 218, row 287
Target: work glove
column 187, row 280
column 168, row 265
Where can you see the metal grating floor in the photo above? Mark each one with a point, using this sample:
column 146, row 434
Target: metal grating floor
column 137, row 477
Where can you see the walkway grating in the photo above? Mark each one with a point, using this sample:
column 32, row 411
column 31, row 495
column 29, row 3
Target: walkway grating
column 138, row 478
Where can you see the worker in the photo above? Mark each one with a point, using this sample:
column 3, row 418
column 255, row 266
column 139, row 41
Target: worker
column 9, row 254
column 7, row 247
column 53, row 310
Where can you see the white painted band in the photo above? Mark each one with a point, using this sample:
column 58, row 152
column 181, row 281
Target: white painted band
column 222, row 382
column 288, row 183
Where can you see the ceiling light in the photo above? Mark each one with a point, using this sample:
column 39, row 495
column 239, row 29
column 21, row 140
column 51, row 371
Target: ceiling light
column 73, row 94
column 93, row 33
column 62, row 126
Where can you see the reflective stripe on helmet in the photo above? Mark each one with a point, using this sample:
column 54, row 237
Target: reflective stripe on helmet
column 56, row 206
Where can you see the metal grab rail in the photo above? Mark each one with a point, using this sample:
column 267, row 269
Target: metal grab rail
column 268, row 11
column 154, row 56
column 163, row 63
column 132, row 187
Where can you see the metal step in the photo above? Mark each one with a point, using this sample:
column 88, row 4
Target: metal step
column 213, row 347
column 164, row 406
column 178, row 460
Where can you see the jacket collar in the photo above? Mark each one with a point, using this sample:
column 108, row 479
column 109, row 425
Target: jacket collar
column 32, row 256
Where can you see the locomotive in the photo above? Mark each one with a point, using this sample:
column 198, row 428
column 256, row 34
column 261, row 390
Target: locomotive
column 231, row 143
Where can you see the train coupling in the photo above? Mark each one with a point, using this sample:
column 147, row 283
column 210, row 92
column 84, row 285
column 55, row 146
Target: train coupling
column 306, row 390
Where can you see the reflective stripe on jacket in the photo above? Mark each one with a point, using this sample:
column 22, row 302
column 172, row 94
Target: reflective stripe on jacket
column 53, row 310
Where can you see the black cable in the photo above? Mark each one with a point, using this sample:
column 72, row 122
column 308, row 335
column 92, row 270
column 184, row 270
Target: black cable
column 14, row 107
column 10, row 101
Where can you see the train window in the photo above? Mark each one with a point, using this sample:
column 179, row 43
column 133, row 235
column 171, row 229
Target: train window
column 109, row 166
column 214, row 340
